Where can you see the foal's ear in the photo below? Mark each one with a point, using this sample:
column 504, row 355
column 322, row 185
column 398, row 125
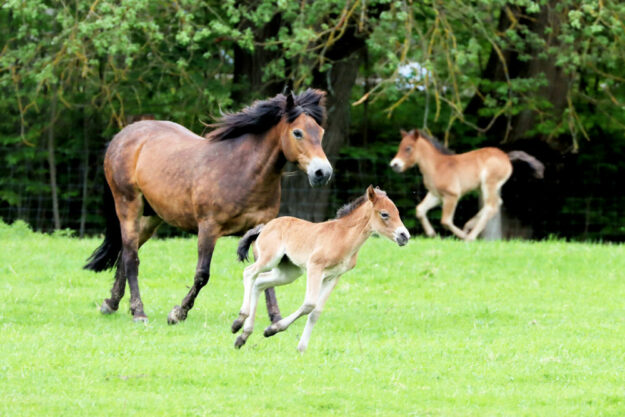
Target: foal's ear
column 403, row 132
column 371, row 195
column 290, row 100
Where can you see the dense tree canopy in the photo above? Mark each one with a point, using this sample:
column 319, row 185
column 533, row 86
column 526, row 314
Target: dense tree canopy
column 473, row 72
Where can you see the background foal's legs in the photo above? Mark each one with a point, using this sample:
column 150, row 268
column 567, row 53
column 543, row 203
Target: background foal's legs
column 447, row 219
column 430, row 201
column 206, row 246
column 492, row 202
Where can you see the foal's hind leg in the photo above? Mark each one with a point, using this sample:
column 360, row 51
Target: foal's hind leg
column 206, row 245
column 110, row 305
column 492, row 202
column 282, row 274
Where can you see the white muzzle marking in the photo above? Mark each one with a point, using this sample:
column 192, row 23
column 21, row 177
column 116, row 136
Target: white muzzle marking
column 401, row 235
column 319, row 171
column 397, row 165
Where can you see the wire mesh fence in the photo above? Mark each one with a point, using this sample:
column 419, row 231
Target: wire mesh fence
column 577, row 207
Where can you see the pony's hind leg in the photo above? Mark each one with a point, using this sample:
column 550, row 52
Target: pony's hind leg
column 148, row 226
column 129, row 212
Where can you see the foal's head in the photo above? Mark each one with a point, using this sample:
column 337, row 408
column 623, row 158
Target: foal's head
column 407, row 155
column 385, row 218
column 301, row 134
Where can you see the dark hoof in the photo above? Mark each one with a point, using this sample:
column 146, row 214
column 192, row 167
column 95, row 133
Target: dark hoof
column 239, row 342
column 270, row 331
column 105, row 308
column 275, row 318
column 175, row 315
column 236, row 325
column 140, row 319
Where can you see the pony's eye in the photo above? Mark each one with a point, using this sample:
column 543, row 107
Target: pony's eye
column 298, row 133
column 384, row 215
column 408, row 148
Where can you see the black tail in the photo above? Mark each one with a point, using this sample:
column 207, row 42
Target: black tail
column 537, row 166
column 106, row 255
column 246, row 241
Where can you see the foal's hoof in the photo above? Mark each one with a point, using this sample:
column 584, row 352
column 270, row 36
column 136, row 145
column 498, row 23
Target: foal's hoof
column 140, row 319
column 239, row 342
column 270, row 331
column 175, row 315
column 105, row 308
column 236, row 325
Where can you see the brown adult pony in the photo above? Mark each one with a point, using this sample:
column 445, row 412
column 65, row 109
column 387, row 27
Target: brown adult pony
column 229, row 182
column 447, row 177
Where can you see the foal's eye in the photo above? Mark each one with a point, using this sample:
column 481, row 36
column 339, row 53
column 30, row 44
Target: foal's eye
column 408, row 148
column 384, row 215
column 298, row 133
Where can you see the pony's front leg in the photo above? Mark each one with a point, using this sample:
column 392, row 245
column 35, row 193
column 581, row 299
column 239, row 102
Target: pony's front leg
column 313, row 287
column 206, row 246
column 326, row 288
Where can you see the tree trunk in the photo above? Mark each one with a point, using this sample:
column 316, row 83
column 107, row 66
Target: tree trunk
column 85, row 175
column 52, row 165
column 557, row 81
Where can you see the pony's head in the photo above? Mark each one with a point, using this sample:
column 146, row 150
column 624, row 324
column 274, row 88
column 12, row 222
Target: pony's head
column 407, row 154
column 385, row 218
column 301, row 135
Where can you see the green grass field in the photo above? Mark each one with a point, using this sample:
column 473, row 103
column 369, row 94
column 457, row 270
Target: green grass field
column 437, row 328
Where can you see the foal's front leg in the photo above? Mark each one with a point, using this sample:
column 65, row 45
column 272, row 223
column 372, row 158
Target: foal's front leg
column 326, row 288
column 313, row 287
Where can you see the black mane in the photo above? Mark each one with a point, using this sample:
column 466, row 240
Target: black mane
column 436, row 143
column 261, row 116
column 350, row 207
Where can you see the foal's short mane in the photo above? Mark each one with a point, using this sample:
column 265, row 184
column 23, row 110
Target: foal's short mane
column 261, row 116
column 435, row 142
column 350, row 207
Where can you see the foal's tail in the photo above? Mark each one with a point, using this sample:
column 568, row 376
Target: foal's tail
column 246, row 241
column 106, row 255
column 537, row 166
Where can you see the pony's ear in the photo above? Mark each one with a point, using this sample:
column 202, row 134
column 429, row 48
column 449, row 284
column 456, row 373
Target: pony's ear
column 290, row 100
column 371, row 194
column 403, row 132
